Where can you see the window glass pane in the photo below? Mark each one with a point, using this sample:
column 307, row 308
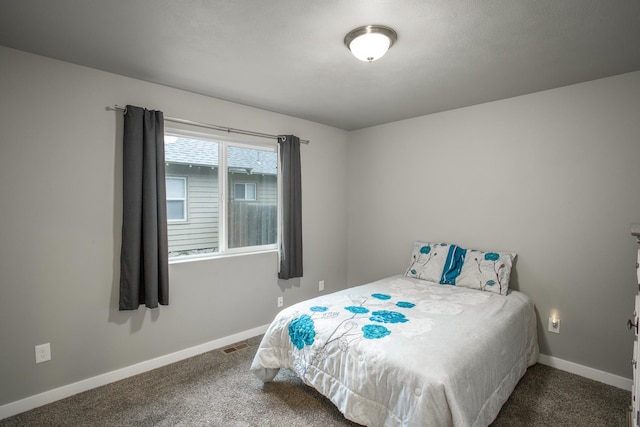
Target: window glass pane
column 250, row 192
column 253, row 219
column 175, row 210
column 197, row 160
column 175, row 188
column 239, row 194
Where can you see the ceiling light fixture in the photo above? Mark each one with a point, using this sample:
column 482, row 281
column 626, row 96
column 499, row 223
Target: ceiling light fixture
column 370, row 42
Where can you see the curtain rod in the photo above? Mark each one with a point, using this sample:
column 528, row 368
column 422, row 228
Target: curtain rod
column 214, row 127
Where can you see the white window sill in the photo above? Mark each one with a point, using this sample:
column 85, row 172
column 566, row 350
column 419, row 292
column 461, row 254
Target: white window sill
column 207, row 257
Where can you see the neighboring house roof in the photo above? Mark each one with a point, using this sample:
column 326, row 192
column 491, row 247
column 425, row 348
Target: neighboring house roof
column 196, row 152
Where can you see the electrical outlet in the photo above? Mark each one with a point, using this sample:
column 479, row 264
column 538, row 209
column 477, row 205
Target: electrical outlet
column 280, row 301
column 554, row 325
column 43, row 352
column 321, row 285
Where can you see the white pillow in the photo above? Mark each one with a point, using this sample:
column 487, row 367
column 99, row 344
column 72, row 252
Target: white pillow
column 428, row 261
column 487, row 271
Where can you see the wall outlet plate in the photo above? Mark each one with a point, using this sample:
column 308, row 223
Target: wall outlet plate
column 555, row 329
column 43, row 353
column 321, row 285
column 280, row 301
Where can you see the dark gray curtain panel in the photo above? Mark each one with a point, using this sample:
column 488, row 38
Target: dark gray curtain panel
column 291, row 232
column 144, row 260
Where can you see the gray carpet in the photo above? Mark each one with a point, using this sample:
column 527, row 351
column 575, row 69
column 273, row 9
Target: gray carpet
column 217, row 389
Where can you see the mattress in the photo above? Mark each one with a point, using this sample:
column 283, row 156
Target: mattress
column 406, row 352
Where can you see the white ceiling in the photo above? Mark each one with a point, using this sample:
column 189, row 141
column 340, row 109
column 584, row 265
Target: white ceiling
column 288, row 56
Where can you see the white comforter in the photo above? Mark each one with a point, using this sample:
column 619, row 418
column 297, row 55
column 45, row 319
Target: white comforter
column 405, row 352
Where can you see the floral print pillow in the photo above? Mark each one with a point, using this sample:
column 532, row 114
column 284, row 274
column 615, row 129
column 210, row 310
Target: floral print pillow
column 487, row 271
column 428, row 261
column 450, row 264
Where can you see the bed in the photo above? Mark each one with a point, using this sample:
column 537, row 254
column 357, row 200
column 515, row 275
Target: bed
column 405, row 351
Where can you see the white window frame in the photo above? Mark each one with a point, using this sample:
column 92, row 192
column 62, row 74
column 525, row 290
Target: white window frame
column 185, row 210
column 224, row 141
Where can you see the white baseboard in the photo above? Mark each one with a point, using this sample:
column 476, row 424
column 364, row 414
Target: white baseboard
column 46, row 397
column 585, row 371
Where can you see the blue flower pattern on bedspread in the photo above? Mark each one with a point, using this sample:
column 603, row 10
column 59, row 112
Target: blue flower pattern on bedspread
column 352, row 324
column 375, row 331
column 301, row 331
column 386, row 316
column 356, row 309
column 405, row 304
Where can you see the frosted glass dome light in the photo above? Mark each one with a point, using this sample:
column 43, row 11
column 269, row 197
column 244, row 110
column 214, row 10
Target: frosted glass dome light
column 370, row 42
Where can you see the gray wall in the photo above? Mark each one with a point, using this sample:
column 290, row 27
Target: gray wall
column 60, row 210
column 553, row 176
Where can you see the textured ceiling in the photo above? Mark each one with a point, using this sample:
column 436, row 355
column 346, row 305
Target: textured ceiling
column 288, row 56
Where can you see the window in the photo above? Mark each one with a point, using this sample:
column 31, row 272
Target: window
column 245, row 191
column 222, row 195
column 176, row 198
